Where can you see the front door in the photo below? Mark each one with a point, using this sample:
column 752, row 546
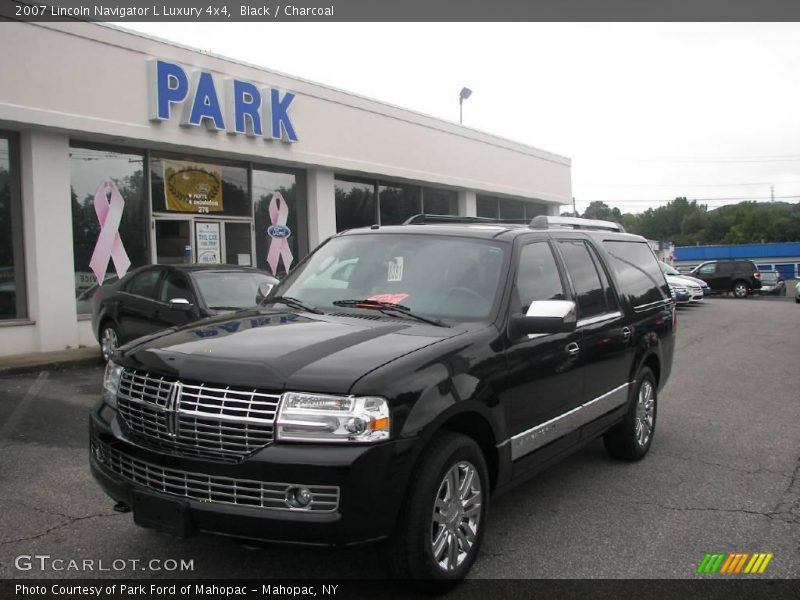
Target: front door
column 543, row 383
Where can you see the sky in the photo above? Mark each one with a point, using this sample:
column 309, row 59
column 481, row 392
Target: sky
column 646, row 112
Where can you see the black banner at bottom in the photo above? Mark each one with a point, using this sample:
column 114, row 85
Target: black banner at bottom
column 477, row 589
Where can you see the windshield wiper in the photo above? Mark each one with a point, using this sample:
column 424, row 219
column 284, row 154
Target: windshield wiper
column 385, row 307
column 226, row 308
column 294, row 303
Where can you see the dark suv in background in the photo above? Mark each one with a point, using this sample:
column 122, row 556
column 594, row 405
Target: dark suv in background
column 389, row 385
column 739, row 277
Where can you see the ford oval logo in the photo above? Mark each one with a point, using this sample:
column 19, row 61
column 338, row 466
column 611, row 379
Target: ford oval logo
column 278, row 231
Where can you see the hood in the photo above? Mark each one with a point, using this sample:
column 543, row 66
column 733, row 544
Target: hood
column 683, row 281
column 282, row 350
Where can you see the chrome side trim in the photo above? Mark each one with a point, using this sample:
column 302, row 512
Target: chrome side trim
column 650, row 305
column 599, row 319
column 527, row 441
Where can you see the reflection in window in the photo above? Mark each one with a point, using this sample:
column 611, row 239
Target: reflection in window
column 592, row 297
column 356, row 204
column 439, row 202
column 12, row 297
column 88, row 169
column 487, row 206
column 398, row 202
column 196, row 188
column 537, row 276
column 266, row 184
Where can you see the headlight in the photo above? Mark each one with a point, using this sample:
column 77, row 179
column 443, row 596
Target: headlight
column 111, row 383
column 321, row 418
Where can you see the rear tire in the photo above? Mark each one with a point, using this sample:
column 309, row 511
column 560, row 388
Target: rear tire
column 441, row 525
column 631, row 439
column 109, row 340
column 740, row 289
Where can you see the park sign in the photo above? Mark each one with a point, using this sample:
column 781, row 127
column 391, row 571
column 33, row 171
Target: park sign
column 244, row 108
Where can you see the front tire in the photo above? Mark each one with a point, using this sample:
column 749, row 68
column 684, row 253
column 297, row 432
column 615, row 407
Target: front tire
column 631, row 439
column 441, row 525
column 740, row 289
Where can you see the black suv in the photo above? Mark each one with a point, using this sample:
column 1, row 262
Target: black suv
column 393, row 382
column 739, row 277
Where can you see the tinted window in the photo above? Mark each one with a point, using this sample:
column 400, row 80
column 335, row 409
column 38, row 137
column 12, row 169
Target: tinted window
column 175, row 285
column 356, row 204
column 590, row 292
column 725, row 267
column 12, row 276
column 637, row 270
column 707, row 269
column 537, row 275
column 144, row 284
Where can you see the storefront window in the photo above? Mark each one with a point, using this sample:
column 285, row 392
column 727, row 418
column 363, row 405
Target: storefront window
column 487, row 207
column 107, row 193
column 398, row 202
column 512, row 210
column 12, row 277
column 199, row 186
column 279, row 202
column 439, row 202
column 356, row 204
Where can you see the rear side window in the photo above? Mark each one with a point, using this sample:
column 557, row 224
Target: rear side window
column 144, row 284
column 638, row 273
column 592, row 294
column 707, row 269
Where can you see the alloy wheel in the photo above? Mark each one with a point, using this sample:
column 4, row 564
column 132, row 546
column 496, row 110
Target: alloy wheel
column 645, row 413
column 456, row 516
column 108, row 343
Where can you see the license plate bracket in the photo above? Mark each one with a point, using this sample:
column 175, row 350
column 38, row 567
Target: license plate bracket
column 166, row 515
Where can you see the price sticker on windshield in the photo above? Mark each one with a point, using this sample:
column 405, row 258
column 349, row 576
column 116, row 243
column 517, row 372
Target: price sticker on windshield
column 395, row 269
column 388, row 298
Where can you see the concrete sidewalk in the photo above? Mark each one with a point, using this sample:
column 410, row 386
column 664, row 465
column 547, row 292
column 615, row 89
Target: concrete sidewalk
column 37, row 361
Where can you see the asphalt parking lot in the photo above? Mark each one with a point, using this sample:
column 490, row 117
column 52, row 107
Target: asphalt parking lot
column 723, row 475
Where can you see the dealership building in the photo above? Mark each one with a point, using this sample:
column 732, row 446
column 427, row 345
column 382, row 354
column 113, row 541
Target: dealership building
column 118, row 150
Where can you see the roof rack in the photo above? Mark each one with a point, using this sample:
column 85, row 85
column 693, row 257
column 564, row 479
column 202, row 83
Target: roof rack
column 545, row 222
column 423, row 218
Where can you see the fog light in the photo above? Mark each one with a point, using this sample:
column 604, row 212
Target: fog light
column 298, row 497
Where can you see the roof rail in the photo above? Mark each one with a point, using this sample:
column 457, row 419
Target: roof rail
column 423, row 218
column 545, row 222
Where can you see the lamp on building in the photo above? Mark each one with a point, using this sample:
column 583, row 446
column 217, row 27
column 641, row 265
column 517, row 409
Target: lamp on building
column 462, row 95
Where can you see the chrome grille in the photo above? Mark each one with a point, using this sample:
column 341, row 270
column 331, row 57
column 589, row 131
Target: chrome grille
column 212, row 488
column 195, row 419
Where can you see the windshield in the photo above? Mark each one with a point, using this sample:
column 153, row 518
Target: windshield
column 442, row 277
column 769, row 276
column 667, row 270
column 230, row 290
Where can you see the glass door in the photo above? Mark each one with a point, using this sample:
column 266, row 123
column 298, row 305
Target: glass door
column 173, row 241
column 238, row 243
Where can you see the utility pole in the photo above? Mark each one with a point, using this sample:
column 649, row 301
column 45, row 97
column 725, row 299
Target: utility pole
column 772, row 192
column 574, row 210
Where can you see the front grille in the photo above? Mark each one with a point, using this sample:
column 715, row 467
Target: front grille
column 195, row 419
column 212, row 488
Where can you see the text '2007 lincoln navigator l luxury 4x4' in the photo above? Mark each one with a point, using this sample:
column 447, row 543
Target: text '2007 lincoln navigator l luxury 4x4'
column 394, row 381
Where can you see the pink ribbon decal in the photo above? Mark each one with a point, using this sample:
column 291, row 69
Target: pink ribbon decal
column 279, row 234
column 108, row 206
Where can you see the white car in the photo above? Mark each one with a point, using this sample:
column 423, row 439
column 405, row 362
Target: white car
column 668, row 270
column 797, row 292
column 692, row 288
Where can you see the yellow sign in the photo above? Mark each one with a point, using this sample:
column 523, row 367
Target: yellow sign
column 192, row 187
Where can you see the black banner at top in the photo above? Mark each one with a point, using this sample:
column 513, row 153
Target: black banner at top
column 400, row 10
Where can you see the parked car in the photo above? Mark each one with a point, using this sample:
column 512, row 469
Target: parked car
column 461, row 357
column 797, row 292
column 669, row 270
column 152, row 298
column 772, row 284
column 739, row 277
column 679, row 293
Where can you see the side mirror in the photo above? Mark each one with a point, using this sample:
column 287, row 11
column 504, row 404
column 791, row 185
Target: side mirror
column 265, row 288
column 180, row 304
column 544, row 316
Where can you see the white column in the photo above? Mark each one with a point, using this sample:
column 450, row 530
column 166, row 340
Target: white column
column 47, row 226
column 467, row 203
column 321, row 206
column 554, row 210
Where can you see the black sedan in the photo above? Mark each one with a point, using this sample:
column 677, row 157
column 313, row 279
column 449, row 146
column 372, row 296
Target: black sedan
column 152, row 298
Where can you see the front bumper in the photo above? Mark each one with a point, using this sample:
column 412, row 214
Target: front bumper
column 165, row 491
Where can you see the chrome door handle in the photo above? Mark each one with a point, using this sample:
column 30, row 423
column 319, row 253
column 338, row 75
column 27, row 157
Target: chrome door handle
column 573, row 349
column 626, row 333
